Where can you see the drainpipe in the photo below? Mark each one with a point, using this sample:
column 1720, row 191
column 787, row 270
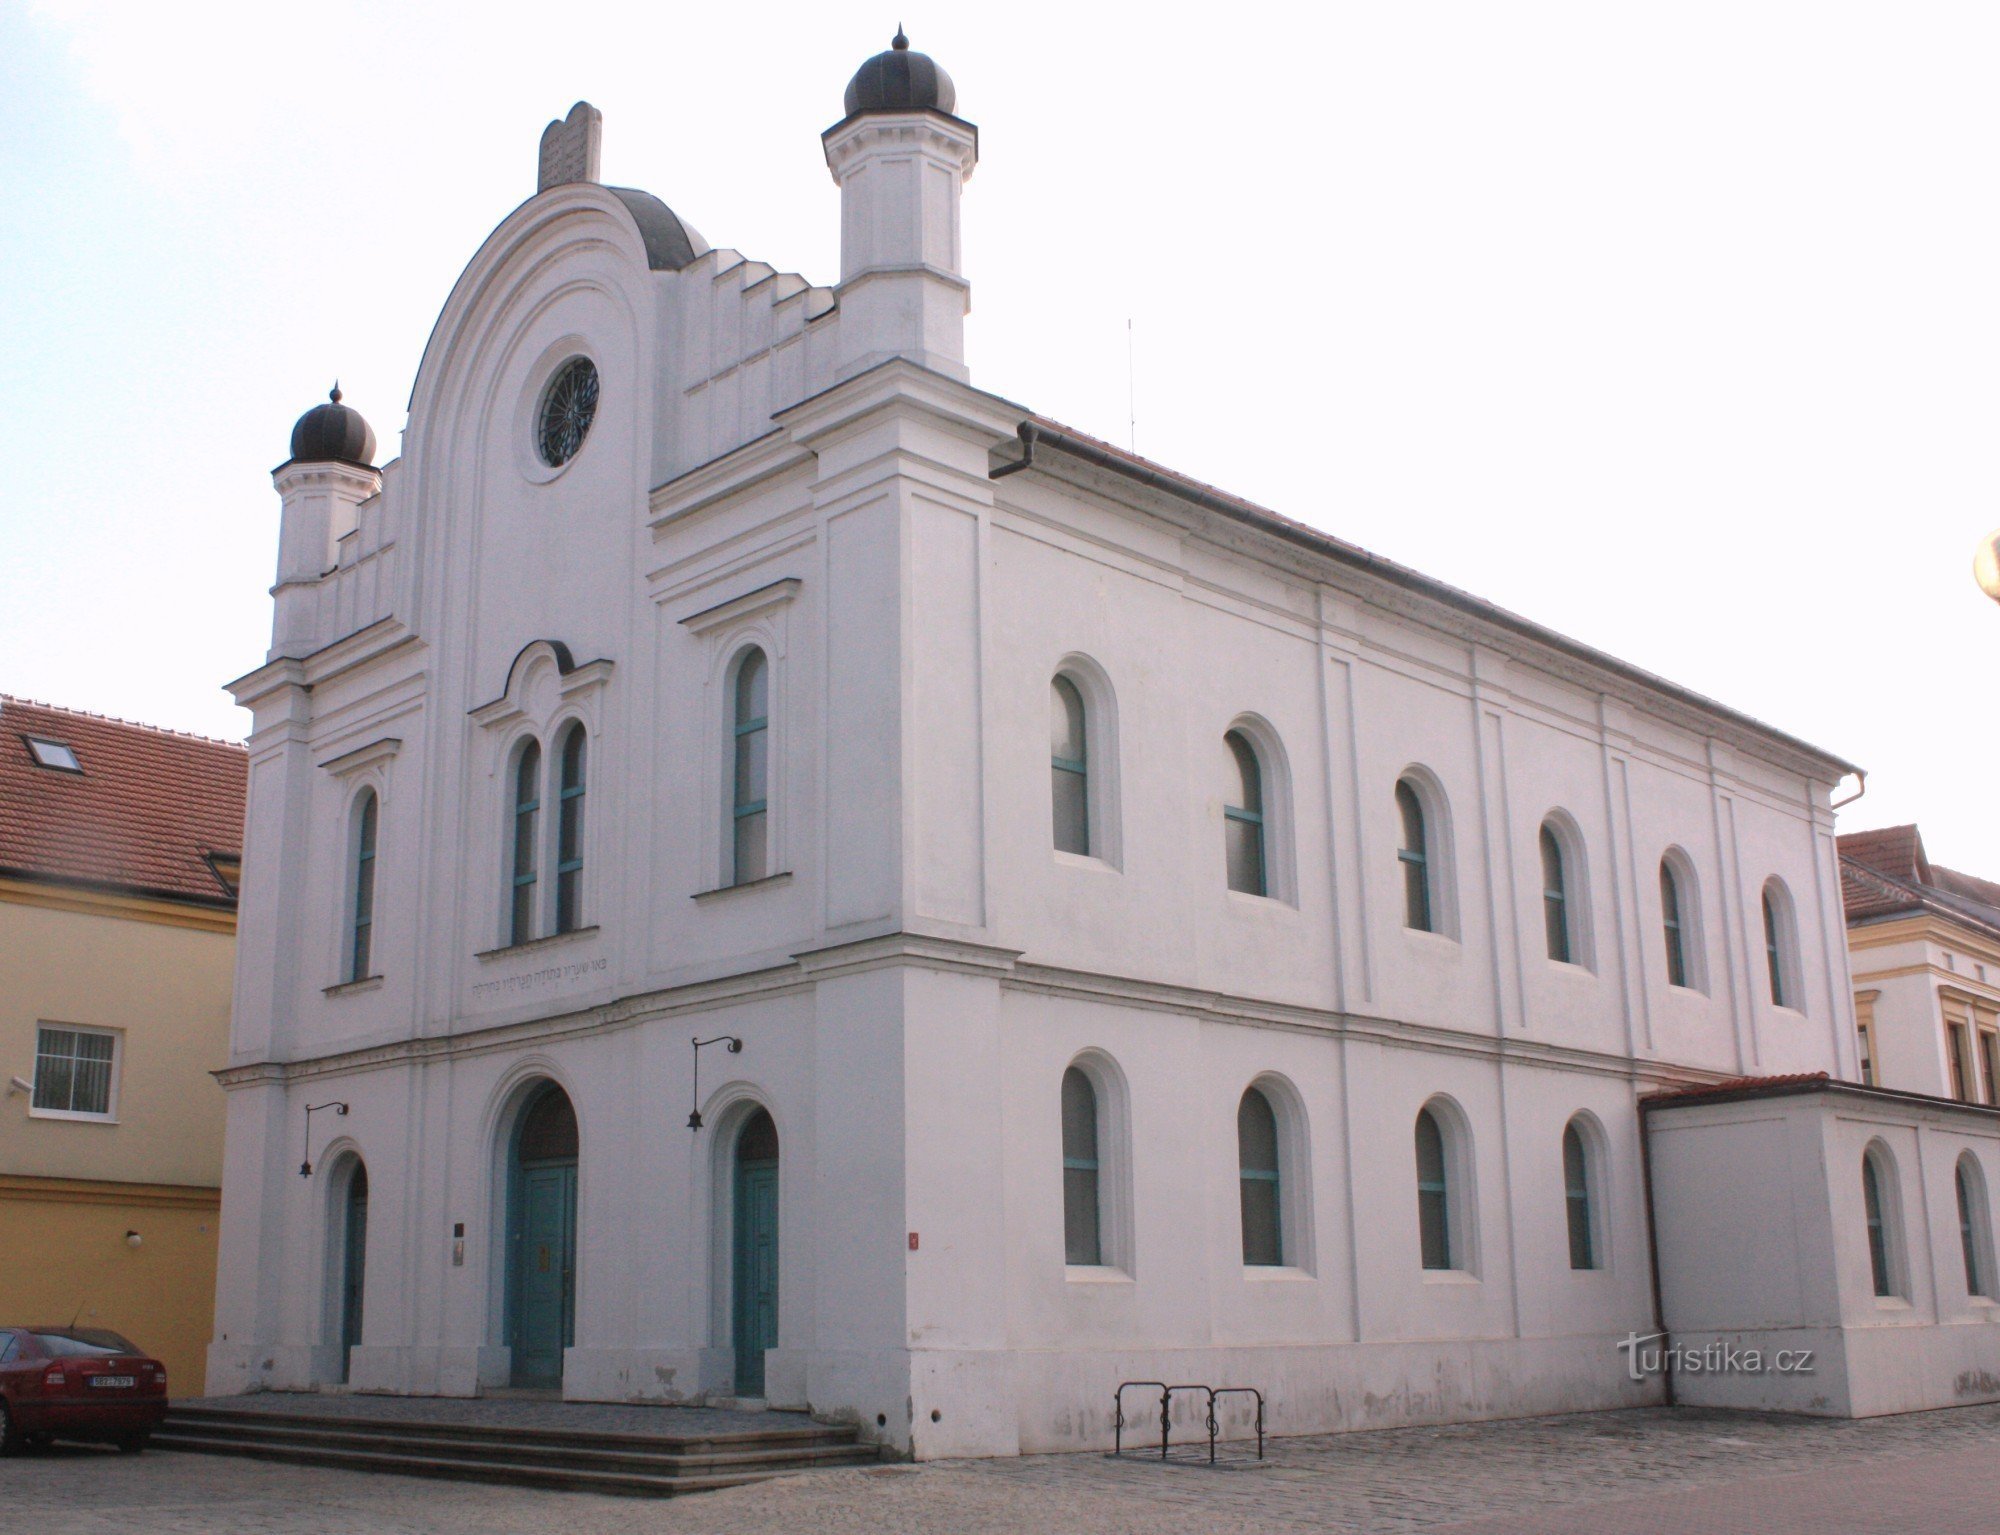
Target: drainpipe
column 1029, row 432
column 1860, row 779
column 1653, row 1254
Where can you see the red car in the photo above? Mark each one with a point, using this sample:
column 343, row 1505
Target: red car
column 77, row 1383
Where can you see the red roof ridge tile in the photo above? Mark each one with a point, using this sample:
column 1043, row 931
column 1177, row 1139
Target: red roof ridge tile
column 113, row 719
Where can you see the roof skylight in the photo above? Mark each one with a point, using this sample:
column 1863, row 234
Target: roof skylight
column 53, row 754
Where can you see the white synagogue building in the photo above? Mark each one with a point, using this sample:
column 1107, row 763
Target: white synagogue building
column 1132, row 935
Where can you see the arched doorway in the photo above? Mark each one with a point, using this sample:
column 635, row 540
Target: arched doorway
column 541, row 1238
column 353, row 1217
column 754, row 1287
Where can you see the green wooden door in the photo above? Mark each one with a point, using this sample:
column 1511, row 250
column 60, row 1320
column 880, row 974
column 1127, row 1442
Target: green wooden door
column 353, row 1264
column 756, row 1291
column 544, row 1273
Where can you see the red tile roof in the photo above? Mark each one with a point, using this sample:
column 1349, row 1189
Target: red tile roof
column 1886, row 873
column 141, row 817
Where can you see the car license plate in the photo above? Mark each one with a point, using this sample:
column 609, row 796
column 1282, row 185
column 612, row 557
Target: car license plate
column 112, row 1381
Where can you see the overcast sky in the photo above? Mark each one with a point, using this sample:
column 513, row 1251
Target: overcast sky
column 1674, row 327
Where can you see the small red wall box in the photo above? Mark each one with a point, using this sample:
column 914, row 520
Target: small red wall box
column 913, row 1241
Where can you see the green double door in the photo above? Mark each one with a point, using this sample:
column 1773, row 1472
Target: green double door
column 754, row 1306
column 544, row 1272
column 354, row 1263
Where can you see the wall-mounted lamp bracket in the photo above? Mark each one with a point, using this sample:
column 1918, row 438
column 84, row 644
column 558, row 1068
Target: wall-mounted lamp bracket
column 340, row 1112
column 735, row 1048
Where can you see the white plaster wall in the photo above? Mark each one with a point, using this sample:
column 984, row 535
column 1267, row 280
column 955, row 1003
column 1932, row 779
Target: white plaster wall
column 1780, row 1260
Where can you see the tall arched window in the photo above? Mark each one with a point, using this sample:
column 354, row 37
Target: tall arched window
column 1778, row 945
column 1243, row 817
column 569, row 835
column 1083, row 1224
column 1555, row 896
column 1576, row 1198
column 1671, row 925
column 1975, row 1229
column 749, row 802
column 1415, row 857
column 1433, row 1193
column 527, row 819
column 361, row 925
column 1257, row 1179
column 1069, row 767
column 1877, row 1203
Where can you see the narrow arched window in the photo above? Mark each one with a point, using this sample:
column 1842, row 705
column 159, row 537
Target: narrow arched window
column 1576, row 1196
column 1083, row 1225
column 1776, row 947
column 1257, row 1178
column 1069, row 767
column 1670, row 920
column 569, row 835
column 527, row 818
column 1875, row 1206
column 1414, row 856
column 361, row 928
column 1975, row 1233
column 749, row 803
column 1555, row 896
column 1243, row 817
column 1433, row 1193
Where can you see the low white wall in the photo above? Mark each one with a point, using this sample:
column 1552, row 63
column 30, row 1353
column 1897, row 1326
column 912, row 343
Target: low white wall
column 1764, row 1249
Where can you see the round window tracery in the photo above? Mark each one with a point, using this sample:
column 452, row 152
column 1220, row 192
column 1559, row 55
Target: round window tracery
column 568, row 408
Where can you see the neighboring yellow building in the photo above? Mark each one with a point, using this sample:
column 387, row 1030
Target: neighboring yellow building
column 1923, row 943
column 119, row 849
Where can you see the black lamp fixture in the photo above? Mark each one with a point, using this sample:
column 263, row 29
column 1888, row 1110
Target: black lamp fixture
column 735, row 1048
column 340, row 1112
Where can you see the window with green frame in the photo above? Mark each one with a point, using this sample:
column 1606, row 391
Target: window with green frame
column 1069, row 767
column 1243, row 817
column 1258, row 1181
column 749, row 821
column 523, row 869
column 1083, row 1223
column 569, row 833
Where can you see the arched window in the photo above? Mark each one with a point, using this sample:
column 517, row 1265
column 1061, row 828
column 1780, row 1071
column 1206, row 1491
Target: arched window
column 1555, row 896
column 1671, row 925
column 1083, row 1225
column 1778, row 945
column 1975, row 1228
column 1576, row 1197
column 361, row 926
column 1243, row 817
column 749, row 802
column 1877, row 1198
column 527, row 819
column 1434, row 1193
column 1415, row 857
column 569, row 835
column 1069, row 767
column 1257, row 1179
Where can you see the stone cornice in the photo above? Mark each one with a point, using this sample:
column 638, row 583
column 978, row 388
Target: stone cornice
column 808, row 967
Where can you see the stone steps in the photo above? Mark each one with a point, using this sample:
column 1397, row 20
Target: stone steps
column 645, row 1465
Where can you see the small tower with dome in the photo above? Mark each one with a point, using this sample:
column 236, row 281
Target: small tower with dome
column 331, row 471
column 901, row 157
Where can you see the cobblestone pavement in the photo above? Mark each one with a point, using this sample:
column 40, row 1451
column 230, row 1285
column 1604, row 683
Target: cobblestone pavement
column 1695, row 1473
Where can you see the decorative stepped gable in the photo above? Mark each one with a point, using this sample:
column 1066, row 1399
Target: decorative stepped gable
column 759, row 343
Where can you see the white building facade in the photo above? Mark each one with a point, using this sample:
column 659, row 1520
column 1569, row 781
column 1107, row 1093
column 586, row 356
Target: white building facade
column 1164, row 942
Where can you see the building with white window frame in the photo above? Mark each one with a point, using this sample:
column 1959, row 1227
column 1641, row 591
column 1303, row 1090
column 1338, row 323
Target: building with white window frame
column 1164, row 941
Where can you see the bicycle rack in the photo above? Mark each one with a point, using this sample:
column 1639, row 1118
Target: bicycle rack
column 1167, row 1394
